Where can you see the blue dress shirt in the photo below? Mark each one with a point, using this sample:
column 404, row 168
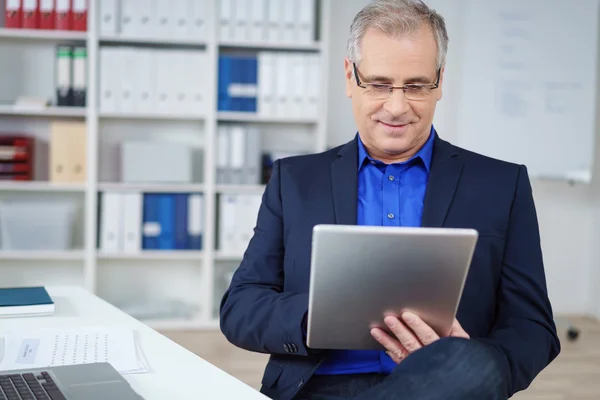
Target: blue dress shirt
column 388, row 195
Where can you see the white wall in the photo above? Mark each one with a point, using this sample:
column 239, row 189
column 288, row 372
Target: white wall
column 569, row 216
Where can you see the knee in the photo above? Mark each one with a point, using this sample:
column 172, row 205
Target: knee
column 477, row 368
column 468, row 369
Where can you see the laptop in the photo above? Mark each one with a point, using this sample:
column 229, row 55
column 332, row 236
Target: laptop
column 98, row 381
column 360, row 274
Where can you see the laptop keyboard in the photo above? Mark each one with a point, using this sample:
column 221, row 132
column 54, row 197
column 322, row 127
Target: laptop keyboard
column 29, row 387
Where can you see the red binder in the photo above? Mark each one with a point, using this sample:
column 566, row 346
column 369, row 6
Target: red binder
column 47, row 14
column 64, row 17
column 80, row 8
column 13, row 14
column 31, row 14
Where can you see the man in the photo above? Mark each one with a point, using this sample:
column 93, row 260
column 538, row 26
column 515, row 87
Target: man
column 397, row 171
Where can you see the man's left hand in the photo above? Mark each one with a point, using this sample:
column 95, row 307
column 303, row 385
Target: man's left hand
column 412, row 333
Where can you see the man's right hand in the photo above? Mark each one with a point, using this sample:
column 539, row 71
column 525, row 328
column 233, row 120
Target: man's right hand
column 411, row 334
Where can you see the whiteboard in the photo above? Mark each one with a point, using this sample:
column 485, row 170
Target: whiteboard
column 528, row 82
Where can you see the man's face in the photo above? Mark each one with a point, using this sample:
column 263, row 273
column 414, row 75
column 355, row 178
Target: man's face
column 394, row 128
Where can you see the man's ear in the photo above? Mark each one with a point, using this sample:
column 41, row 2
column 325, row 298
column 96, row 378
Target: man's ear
column 349, row 75
column 440, row 88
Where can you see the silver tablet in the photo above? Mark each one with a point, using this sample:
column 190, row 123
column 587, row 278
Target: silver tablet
column 359, row 274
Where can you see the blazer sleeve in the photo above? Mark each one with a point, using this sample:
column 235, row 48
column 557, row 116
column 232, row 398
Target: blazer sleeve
column 255, row 313
column 524, row 331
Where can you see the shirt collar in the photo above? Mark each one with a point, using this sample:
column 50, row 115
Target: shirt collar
column 424, row 153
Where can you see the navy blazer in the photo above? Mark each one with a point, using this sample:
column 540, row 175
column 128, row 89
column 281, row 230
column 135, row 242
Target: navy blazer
column 504, row 302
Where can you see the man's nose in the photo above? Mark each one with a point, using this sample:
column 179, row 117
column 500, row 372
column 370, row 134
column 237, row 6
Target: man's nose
column 397, row 104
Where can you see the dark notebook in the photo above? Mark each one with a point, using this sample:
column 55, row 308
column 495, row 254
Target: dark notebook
column 25, row 301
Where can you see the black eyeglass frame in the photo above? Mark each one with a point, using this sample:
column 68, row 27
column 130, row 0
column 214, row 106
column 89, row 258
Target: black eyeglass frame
column 431, row 86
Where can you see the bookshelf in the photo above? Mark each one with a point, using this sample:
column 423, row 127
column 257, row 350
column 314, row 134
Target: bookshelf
column 192, row 276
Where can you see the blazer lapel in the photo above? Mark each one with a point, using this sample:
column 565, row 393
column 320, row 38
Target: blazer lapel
column 446, row 168
column 344, row 183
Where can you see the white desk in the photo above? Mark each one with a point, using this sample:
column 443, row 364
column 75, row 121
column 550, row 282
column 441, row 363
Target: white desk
column 176, row 372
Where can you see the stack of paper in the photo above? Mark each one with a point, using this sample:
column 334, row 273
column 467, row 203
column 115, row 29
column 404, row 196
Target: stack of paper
column 44, row 348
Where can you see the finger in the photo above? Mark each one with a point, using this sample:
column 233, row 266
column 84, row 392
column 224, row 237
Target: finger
column 424, row 333
column 392, row 346
column 458, row 331
column 404, row 335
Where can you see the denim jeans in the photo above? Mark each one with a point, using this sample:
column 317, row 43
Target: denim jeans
column 449, row 369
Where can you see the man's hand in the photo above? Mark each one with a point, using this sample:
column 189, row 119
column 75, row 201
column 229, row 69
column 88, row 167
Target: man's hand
column 411, row 335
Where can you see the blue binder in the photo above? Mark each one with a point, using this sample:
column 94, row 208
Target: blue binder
column 166, row 239
column 150, row 217
column 181, row 221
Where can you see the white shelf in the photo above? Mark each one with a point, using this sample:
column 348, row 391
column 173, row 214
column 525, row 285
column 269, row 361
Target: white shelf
column 48, row 112
column 241, row 189
column 43, row 35
column 316, row 46
column 151, row 188
column 117, row 39
column 154, row 255
column 152, row 116
column 69, row 255
column 231, row 116
column 38, row 186
column 179, row 324
column 220, row 256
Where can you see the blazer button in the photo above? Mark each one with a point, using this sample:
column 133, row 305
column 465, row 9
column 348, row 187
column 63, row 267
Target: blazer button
column 294, row 348
column 286, row 347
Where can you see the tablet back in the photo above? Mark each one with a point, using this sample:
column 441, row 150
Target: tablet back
column 359, row 274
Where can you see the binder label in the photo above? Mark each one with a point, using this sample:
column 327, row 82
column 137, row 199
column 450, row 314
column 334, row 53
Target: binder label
column 47, row 5
column 152, row 229
column 29, row 5
column 79, row 6
column 13, row 5
column 62, row 6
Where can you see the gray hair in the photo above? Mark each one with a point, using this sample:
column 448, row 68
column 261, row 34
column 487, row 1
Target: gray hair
column 395, row 18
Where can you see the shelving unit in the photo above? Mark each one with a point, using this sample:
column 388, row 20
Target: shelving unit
column 48, row 112
column 41, row 35
column 153, row 116
column 72, row 255
column 33, row 186
column 191, row 274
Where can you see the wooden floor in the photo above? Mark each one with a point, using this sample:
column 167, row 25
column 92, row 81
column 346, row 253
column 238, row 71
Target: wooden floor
column 574, row 375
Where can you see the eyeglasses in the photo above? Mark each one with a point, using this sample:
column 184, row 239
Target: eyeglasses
column 412, row 91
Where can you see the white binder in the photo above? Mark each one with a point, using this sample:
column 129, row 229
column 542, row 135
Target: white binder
column 111, row 223
column 290, row 14
column 109, row 83
column 299, row 82
column 129, row 19
column 266, row 84
column 314, row 76
column 144, row 80
column 180, row 20
column 253, row 156
column 275, row 17
column 108, row 10
column 163, row 23
column 132, row 222
column 242, row 18
column 283, row 84
column 306, row 21
column 238, row 153
column 198, row 11
column 126, row 78
column 227, row 223
column 223, row 152
column 196, row 83
column 195, row 222
column 226, row 13
column 258, row 20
